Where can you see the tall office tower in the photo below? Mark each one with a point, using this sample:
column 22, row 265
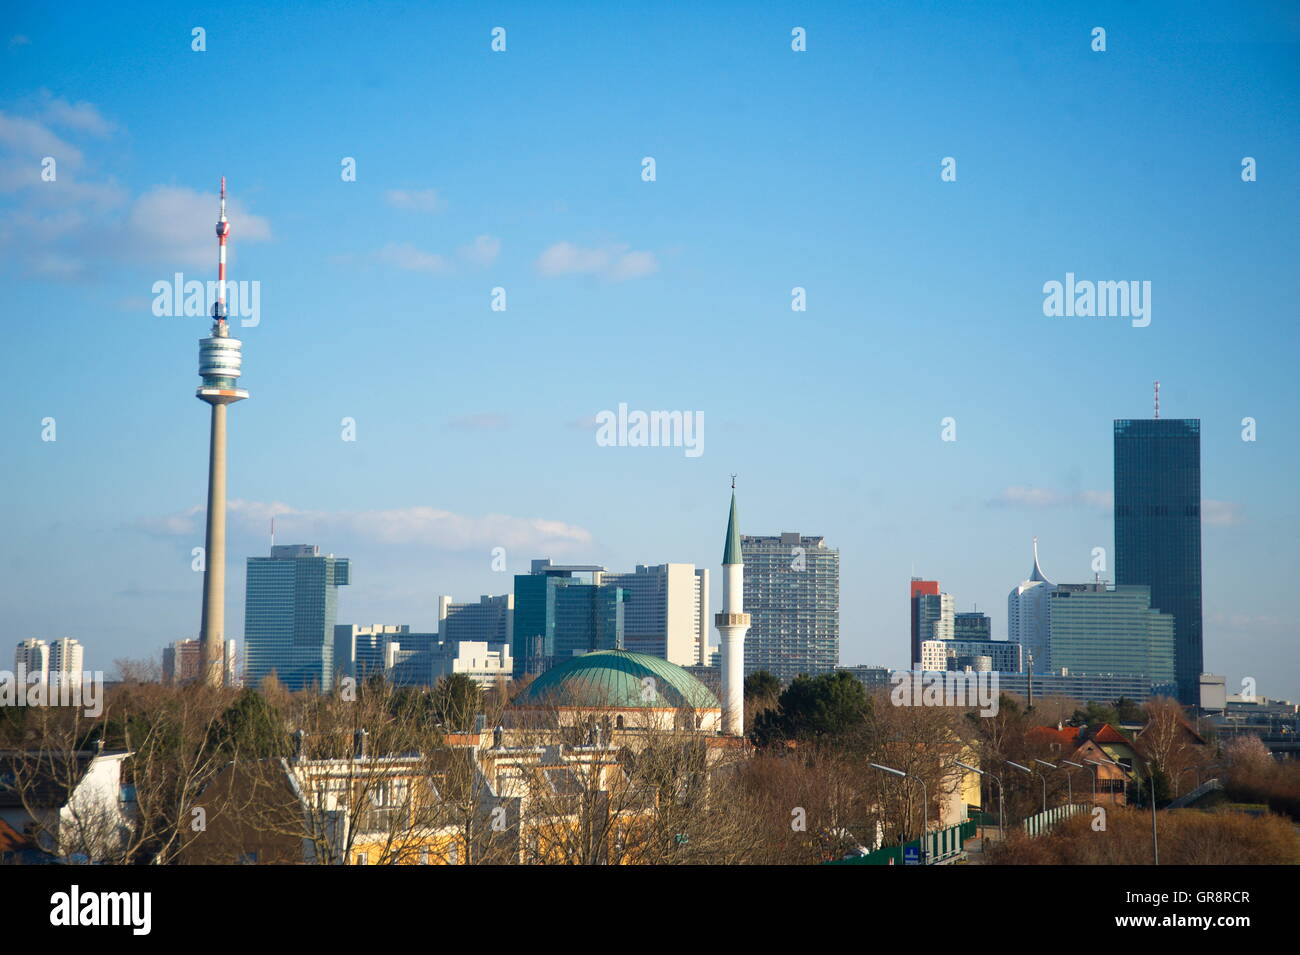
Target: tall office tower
column 219, row 367
column 733, row 623
column 1158, row 528
column 972, row 626
column 562, row 612
column 917, row 589
column 792, row 589
column 32, row 661
column 1027, row 617
column 67, row 657
column 1093, row 631
column 665, row 610
column 290, row 607
column 491, row 620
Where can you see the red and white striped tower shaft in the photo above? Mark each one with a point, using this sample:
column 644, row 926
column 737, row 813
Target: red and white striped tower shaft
column 220, row 365
column 223, row 230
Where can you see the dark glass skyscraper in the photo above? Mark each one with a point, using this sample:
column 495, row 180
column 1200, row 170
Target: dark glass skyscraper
column 559, row 615
column 1158, row 529
column 290, row 608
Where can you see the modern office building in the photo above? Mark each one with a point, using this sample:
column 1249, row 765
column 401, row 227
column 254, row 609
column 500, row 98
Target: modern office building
column 972, row 626
column 932, row 615
column 1158, row 528
column 665, row 611
column 1027, row 618
column 1084, row 687
column 563, row 611
column 361, row 650
column 957, row 654
column 182, row 662
column 1101, row 631
column 290, row 609
column 491, row 620
column 792, row 593
column 873, row 678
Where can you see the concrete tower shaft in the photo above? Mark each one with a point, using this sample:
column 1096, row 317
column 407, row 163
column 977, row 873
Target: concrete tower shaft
column 220, row 365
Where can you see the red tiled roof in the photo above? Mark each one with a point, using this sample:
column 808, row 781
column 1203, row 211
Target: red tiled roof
column 1108, row 734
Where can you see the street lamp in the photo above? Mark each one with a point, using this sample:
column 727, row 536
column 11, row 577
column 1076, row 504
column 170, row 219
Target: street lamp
column 925, row 809
column 1002, row 819
column 1020, row 767
column 1069, row 776
column 1044, row 778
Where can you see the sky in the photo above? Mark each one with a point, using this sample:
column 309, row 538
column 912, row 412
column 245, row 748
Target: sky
column 523, row 170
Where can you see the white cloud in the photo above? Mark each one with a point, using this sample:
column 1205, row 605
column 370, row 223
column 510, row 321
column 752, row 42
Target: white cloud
column 174, row 224
column 482, row 251
column 421, row 526
column 83, row 117
column 403, row 255
column 414, row 200
column 614, row 263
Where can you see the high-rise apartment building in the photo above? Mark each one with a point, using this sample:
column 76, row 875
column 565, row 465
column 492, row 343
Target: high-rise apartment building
column 792, row 594
column 561, row 612
column 32, row 661
column 1158, row 529
column 290, row 608
column 665, row 611
column 67, row 658
column 1098, row 631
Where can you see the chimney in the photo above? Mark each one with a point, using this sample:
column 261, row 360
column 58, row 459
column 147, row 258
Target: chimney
column 299, row 744
column 498, row 737
column 359, row 743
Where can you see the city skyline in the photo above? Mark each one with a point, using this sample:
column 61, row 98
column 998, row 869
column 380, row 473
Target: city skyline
column 456, row 457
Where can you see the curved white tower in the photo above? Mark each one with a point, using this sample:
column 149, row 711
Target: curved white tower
column 219, row 367
column 1027, row 617
column 733, row 624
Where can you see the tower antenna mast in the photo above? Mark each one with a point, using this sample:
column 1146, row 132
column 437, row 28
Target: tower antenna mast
column 1157, row 400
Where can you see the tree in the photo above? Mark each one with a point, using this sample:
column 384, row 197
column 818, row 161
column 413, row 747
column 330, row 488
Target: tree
column 824, row 708
column 457, row 699
column 251, row 727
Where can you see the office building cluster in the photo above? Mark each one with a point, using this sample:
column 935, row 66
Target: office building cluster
column 1136, row 638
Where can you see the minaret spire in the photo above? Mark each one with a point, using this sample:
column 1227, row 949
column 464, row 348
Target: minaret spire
column 733, row 624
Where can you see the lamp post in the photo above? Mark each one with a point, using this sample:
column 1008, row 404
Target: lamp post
column 1002, row 819
column 925, row 809
column 1044, row 778
column 1018, row 766
column 1069, row 776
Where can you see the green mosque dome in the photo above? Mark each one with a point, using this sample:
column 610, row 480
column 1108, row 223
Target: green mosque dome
column 617, row 679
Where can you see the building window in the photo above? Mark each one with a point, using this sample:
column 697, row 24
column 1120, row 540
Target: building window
column 362, row 859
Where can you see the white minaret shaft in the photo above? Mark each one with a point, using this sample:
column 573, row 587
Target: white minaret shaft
column 733, row 624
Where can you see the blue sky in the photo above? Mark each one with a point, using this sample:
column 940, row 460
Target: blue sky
column 522, row 170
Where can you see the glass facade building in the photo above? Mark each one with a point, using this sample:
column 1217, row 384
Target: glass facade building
column 559, row 615
column 290, row 610
column 792, row 594
column 1158, row 529
column 1097, row 631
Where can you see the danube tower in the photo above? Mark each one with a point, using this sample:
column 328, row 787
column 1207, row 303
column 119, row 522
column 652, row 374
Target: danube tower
column 219, row 361
column 732, row 624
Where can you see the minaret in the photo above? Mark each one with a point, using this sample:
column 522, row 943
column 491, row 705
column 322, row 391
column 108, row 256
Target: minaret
column 732, row 624
column 219, row 367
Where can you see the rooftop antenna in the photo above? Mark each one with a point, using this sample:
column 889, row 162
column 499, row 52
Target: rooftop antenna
column 273, row 533
column 1157, row 400
column 733, row 482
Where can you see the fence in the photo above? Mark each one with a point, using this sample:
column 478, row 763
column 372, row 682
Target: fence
column 1041, row 822
column 943, row 845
